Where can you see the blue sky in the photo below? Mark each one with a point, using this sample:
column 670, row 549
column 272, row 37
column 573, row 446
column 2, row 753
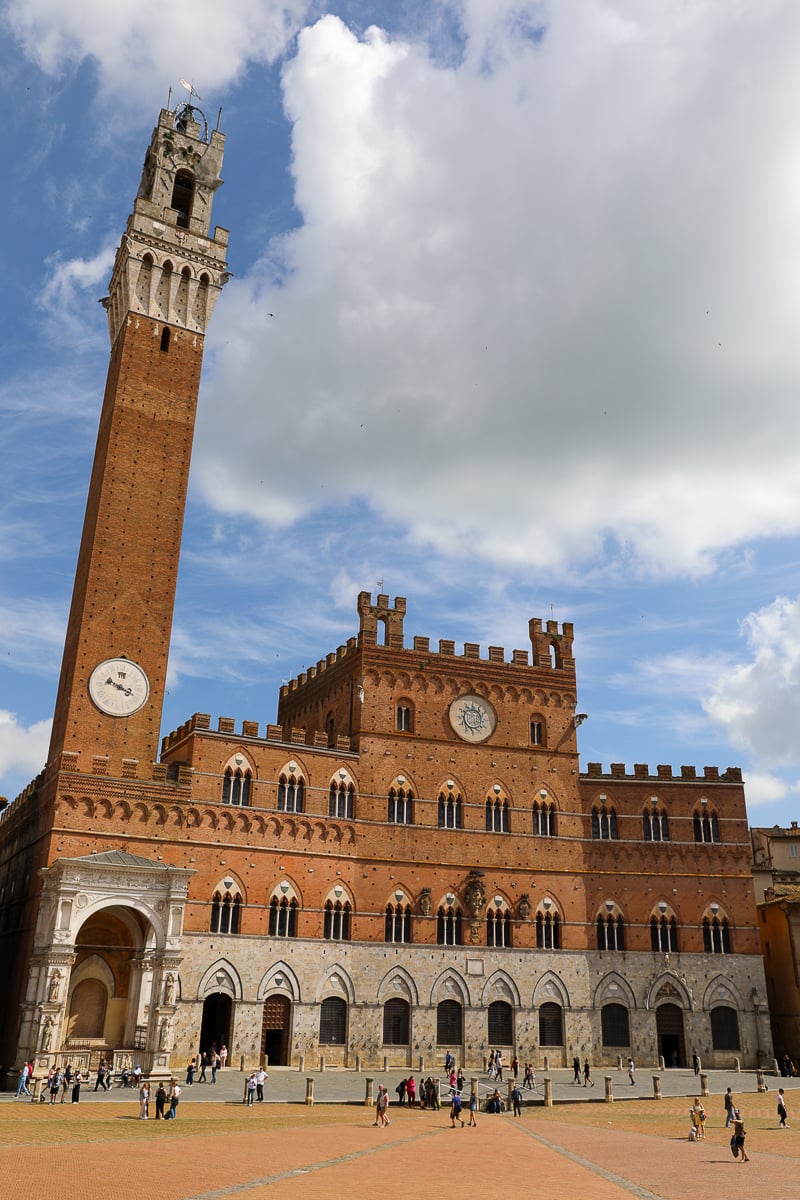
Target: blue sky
column 532, row 352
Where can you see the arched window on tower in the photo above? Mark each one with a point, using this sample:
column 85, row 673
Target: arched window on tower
column 226, row 908
column 183, row 198
column 705, row 823
column 548, row 926
column 450, row 808
column 341, row 796
column 336, row 916
column 498, row 924
column 497, row 811
column 544, row 816
column 398, row 919
column 236, row 781
column 291, row 790
column 663, row 930
column 448, row 923
column 399, row 809
column 283, row 911
column 538, row 731
column 655, row 826
column 604, row 820
column 404, row 716
column 610, row 928
column 716, row 931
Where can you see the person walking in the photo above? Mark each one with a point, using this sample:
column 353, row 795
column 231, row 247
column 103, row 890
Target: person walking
column 174, row 1100
column 473, row 1108
column 100, row 1082
column 498, row 1066
column 631, row 1070
column 223, row 1056
column 411, row 1091
column 576, row 1069
column 215, row 1064
column 77, row 1080
column 698, row 1115
column 190, row 1072
column 382, row 1106
column 201, row 1078
column 587, row 1074
column 739, row 1134
column 782, row 1110
column 728, row 1102
column 144, row 1101
column 516, row 1101
column 251, row 1089
column 695, row 1064
column 455, row 1111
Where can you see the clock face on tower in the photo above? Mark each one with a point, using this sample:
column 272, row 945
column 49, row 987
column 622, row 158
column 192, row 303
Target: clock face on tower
column 118, row 687
column 472, row 718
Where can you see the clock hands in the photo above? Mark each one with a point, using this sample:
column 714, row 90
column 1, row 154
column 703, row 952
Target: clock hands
column 126, row 691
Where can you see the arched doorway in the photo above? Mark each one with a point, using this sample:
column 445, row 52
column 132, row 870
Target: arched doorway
column 215, row 1028
column 106, row 1005
column 669, row 1031
column 275, row 1030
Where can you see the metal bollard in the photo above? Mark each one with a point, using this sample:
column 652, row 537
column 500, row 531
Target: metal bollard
column 309, row 1090
column 704, row 1084
column 548, row 1092
column 368, row 1097
column 609, row 1098
column 657, row 1087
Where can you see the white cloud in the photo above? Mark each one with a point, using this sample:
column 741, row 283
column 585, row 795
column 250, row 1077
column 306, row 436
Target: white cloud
column 64, row 295
column 139, row 46
column 538, row 307
column 764, row 788
column 22, row 748
column 757, row 703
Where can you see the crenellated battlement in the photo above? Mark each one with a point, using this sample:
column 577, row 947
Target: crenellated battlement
column 594, row 770
column 251, row 731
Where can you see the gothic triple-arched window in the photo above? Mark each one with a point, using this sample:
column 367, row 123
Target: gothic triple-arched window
column 548, row 927
column 448, row 926
column 399, row 808
column 664, row 931
column 655, row 825
column 236, row 785
column 450, row 810
column 226, row 908
column 705, row 823
column 604, row 821
column 291, row 792
column 610, row 928
column 336, row 920
column 398, row 922
column 341, row 797
column 496, row 814
column 498, row 927
column 544, row 817
column 283, row 915
column 716, row 932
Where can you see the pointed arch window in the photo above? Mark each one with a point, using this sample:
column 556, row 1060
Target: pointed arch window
column 551, row 1024
column 716, row 934
column 449, row 1023
column 664, row 932
column 655, row 824
column 236, row 786
column 448, row 926
column 333, row 1021
column 283, row 916
column 500, row 1023
column 498, row 928
column 705, row 823
column 226, row 908
column 450, row 810
column 400, row 805
column 725, row 1028
column 341, row 797
column 337, row 921
column 396, row 1022
column 615, row 1027
column 291, row 793
column 604, row 821
column 610, row 929
column 496, row 815
column 398, row 922
column 544, row 817
column 548, row 928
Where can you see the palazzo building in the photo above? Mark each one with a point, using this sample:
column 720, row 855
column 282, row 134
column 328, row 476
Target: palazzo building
column 408, row 861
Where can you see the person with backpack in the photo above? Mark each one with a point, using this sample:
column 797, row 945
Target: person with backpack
column 401, row 1092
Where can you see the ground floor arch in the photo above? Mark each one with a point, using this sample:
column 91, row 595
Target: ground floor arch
column 217, row 1021
column 276, row 1030
column 670, row 1035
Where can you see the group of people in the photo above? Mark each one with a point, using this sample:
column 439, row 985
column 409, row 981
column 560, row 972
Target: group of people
column 211, row 1059
column 585, row 1071
column 60, row 1082
column 255, row 1086
column 164, row 1092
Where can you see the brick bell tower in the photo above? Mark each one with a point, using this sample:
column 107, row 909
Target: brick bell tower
column 168, row 273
